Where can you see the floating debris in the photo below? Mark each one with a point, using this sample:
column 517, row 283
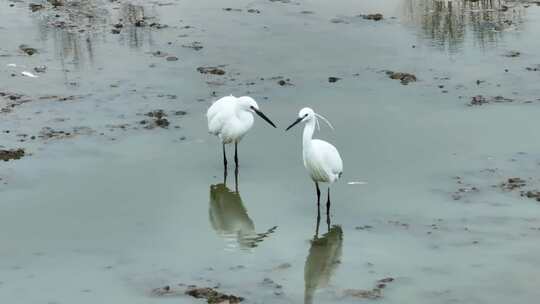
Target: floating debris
column 28, row 74
column 357, row 183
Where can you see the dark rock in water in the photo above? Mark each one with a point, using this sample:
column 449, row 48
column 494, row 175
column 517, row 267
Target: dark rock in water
column 27, row 49
column 404, row 77
column 212, row 296
column 34, row 7
column 172, row 58
column 7, row 155
column 333, row 79
column 211, row 70
column 375, row 17
column 115, row 31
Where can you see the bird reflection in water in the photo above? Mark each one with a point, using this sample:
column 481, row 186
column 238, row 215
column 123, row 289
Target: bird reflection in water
column 230, row 219
column 323, row 258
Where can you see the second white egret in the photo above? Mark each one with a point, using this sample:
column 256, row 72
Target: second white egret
column 321, row 159
column 230, row 118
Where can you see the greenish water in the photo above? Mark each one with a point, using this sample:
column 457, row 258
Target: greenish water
column 110, row 217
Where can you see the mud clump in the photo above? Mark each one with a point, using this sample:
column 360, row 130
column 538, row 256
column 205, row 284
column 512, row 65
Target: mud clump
column 532, row 194
column 513, row 183
column 211, row 70
column 405, row 78
column 212, row 296
column 7, row 155
column 11, row 101
column 369, row 294
column 374, row 17
column 159, row 120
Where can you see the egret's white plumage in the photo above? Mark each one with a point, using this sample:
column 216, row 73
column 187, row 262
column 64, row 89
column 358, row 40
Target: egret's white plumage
column 230, row 118
column 321, row 159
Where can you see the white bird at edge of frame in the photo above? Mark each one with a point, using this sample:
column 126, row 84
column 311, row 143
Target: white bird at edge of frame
column 321, row 159
column 230, row 118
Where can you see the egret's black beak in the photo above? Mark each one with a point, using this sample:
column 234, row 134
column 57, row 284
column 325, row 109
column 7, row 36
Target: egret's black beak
column 294, row 123
column 261, row 114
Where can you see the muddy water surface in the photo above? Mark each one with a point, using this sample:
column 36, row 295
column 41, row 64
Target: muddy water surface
column 110, row 203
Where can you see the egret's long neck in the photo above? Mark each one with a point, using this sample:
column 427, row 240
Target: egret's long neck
column 308, row 134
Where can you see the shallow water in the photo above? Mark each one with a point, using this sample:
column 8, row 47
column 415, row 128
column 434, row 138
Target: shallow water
column 114, row 212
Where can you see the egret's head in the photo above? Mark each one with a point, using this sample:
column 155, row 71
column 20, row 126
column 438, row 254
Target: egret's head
column 247, row 103
column 307, row 114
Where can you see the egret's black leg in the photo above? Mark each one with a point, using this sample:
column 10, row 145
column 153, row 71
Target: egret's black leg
column 224, row 165
column 236, row 179
column 318, row 223
column 224, row 158
column 318, row 195
column 236, row 154
column 328, row 209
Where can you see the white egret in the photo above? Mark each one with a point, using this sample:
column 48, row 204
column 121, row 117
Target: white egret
column 321, row 159
column 230, row 118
